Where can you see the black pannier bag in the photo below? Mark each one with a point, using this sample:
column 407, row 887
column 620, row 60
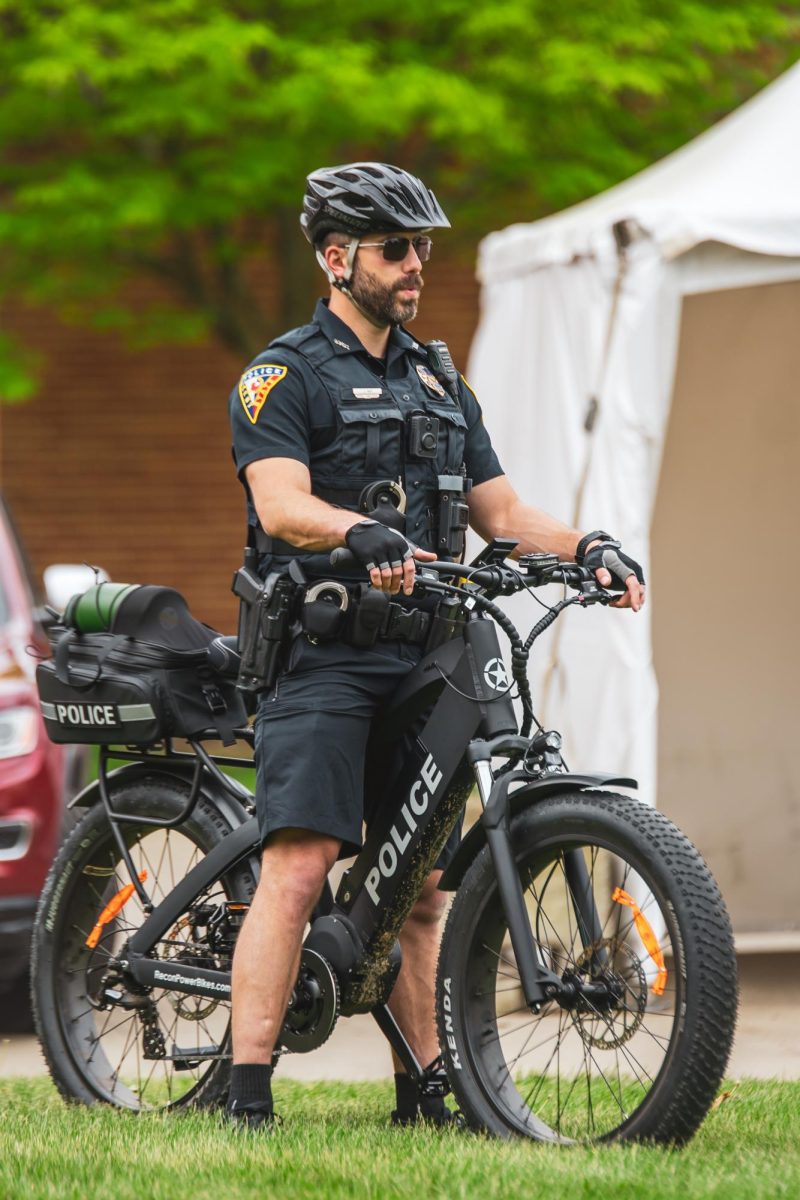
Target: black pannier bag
column 145, row 679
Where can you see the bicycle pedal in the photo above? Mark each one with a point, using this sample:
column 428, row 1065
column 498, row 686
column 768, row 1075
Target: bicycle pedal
column 189, row 1058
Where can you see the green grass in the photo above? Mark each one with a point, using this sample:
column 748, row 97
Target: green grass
column 336, row 1143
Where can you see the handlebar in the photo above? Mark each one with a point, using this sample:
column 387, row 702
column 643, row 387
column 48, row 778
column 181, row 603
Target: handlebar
column 500, row 578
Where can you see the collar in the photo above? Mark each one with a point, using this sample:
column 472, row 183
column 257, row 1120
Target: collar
column 344, row 340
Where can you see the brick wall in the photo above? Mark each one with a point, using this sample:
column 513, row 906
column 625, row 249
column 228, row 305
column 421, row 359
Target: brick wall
column 123, row 458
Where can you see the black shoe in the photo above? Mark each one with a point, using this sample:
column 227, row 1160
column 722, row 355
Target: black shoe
column 445, row 1119
column 252, row 1116
column 423, row 1103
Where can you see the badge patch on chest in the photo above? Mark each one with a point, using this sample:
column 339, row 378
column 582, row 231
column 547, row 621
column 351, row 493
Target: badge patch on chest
column 429, row 379
column 256, row 384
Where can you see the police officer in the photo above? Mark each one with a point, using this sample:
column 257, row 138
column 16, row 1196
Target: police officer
column 342, row 415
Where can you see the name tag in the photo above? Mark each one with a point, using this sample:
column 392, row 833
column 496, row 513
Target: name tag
column 367, row 393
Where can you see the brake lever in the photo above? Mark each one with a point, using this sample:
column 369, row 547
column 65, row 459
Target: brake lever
column 593, row 593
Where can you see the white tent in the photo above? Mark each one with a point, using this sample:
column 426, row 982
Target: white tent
column 660, row 323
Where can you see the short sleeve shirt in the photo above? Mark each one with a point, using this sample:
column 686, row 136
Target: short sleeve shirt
column 285, row 411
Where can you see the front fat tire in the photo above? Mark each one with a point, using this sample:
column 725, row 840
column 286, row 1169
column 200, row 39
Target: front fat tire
column 702, row 988
column 51, row 991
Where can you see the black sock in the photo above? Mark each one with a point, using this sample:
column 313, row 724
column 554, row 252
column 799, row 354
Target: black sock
column 407, row 1094
column 251, row 1086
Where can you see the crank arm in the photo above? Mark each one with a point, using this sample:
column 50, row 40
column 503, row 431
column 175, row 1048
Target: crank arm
column 394, row 1036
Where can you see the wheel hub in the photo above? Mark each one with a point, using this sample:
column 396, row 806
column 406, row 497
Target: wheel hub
column 608, row 1011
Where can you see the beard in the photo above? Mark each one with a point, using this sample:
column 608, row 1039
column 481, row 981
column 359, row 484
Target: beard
column 380, row 301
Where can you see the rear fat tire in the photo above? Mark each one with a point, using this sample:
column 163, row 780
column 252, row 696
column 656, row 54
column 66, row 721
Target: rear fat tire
column 702, row 976
column 53, row 998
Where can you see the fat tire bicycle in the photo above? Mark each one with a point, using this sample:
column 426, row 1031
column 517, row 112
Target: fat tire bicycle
column 586, row 986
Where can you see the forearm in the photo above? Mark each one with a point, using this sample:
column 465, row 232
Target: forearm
column 532, row 528
column 281, row 492
column 496, row 511
column 536, row 531
column 306, row 521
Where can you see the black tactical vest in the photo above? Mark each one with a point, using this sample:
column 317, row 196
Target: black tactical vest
column 371, row 441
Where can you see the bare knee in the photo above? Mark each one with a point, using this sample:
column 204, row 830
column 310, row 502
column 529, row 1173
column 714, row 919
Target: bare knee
column 431, row 902
column 295, row 864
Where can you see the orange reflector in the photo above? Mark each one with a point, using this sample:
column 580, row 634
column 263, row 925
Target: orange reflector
column 111, row 909
column 645, row 931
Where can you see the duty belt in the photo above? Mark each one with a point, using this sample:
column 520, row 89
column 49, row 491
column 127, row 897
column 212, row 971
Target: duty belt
column 365, row 615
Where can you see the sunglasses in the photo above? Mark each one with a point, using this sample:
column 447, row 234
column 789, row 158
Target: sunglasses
column 395, row 249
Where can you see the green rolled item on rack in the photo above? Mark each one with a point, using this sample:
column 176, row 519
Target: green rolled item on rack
column 93, row 611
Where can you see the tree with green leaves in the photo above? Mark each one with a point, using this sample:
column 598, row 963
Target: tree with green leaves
column 170, row 139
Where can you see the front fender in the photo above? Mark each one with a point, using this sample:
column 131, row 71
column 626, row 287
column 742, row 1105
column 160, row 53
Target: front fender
column 235, row 811
column 523, row 797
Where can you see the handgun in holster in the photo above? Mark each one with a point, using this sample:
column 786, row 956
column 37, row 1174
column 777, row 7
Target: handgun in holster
column 264, row 620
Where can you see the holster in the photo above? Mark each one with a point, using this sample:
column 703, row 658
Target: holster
column 264, row 620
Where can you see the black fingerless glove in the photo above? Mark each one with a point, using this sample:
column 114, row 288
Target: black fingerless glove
column 376, row 545
column 609, row 555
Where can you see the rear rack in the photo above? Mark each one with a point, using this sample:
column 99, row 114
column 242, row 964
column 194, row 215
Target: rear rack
column 165, row 754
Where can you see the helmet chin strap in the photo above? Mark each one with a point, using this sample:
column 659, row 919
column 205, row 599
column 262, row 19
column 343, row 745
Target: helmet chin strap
column 341, row 282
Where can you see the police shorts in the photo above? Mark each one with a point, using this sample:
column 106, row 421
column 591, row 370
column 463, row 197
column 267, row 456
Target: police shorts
column 311, row 737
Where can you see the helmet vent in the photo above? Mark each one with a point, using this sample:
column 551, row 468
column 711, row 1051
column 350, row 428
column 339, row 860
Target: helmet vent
column 359, row 197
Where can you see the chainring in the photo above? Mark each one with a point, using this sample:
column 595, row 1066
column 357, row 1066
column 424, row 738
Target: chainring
column 314, row 1009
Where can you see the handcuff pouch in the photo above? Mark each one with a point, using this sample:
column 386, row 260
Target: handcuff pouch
column 324, row 610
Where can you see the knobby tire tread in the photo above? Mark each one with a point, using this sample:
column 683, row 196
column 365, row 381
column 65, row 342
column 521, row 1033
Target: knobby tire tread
column 129, row 797
column 674, row 1109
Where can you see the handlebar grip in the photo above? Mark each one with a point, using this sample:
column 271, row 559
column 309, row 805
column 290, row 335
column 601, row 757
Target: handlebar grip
column 342, row 557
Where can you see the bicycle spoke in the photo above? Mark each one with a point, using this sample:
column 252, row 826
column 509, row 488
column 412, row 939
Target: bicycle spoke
column 115, row 1048
column 581, row 1064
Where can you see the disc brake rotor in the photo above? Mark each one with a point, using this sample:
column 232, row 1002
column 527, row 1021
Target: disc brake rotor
column 190, row 1008
column 607, row 1028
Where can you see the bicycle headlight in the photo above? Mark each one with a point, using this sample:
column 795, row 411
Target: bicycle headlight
column 18, row 731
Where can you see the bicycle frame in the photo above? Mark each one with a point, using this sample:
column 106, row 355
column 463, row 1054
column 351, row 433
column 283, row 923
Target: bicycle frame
column 470, row 715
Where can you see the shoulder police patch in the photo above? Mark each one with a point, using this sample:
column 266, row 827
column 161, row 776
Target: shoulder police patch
column 429, row 379
column 256, row 384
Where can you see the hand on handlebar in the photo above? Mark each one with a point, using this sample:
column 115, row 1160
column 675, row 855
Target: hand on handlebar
column 387, row 555
column 617, row 571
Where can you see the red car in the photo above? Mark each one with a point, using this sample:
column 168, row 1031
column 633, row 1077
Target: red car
column 36, row 776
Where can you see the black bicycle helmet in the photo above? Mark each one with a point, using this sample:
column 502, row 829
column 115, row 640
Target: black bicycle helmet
column 359, row 197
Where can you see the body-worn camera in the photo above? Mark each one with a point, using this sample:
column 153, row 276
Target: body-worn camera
column 264, row 618
column 423, row 435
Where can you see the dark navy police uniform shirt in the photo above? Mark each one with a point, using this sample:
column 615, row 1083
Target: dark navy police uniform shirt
column 317, row 396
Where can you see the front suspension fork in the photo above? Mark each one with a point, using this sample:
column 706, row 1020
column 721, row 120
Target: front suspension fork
column 539, row 983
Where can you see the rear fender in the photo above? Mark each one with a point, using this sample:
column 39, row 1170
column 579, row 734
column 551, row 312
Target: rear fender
column 235, row 810
column 474, row 841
